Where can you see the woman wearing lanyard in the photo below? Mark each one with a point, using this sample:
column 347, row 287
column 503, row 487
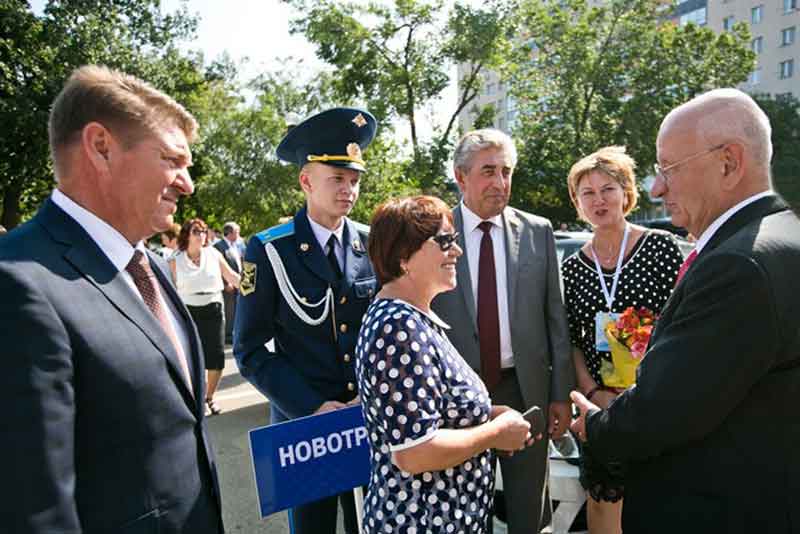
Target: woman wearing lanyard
column 623, row 265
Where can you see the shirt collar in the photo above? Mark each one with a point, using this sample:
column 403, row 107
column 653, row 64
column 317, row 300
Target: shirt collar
column 323, row 234
column 706, row 236
column 471, row 220
column 113, row 244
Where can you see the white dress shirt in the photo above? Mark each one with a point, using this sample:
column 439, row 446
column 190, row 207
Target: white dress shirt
column 706, row 236
column 472, row 238
column 119, row 252
column 323, row 234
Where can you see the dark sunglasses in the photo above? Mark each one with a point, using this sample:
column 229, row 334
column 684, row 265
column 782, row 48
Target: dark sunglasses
column 445, row 241
column 197, row 231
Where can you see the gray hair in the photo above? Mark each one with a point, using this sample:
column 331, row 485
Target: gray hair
column 229, row 227
column 475, row 141
column 726, row 115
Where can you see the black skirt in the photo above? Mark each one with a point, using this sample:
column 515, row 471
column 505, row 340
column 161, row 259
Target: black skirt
column 210, row 321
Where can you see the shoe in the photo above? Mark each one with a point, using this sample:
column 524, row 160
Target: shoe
column 213, row 409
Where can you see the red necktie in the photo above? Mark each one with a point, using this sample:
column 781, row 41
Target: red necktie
column 685, row 266
column 488, row 318
column 145, row 280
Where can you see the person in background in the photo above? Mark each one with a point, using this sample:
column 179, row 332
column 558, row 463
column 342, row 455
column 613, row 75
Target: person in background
column 307, row 284
column 507, row 313
column 199, row 272
column 710, row 430
column 232, row 248
column 169, row 241
column 429, row 416
column 622, row 265
column 105, row 429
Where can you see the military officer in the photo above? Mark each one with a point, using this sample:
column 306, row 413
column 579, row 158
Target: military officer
column 306, row 284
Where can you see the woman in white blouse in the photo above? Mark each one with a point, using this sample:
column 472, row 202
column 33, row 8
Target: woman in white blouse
column 198, row 271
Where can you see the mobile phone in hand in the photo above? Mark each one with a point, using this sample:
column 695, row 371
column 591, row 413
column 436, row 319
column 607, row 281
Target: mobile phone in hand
column 535, row 416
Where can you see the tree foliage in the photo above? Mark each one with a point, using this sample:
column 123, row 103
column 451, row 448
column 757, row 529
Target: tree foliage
column 784, row 116
column 394, row 57
column 587, row 77
column 37, row 54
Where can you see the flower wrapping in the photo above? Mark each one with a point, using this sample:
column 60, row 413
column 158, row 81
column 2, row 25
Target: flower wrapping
column 628, row 337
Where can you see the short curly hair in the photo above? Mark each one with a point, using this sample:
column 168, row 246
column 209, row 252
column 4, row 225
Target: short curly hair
column 612, row 161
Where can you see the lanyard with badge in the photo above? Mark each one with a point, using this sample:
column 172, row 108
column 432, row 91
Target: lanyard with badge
column 601, row 319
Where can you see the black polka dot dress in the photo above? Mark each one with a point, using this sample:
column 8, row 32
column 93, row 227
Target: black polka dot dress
column 647, row 278
column 412, row 383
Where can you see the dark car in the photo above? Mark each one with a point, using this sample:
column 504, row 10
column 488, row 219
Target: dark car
column 568, row 243
column 664, row 224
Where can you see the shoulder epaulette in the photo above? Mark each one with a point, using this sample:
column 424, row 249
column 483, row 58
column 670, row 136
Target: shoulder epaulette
column 271, row 234
column 362, row 228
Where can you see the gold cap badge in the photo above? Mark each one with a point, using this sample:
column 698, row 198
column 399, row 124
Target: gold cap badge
column 359, row 120
column 354, row 151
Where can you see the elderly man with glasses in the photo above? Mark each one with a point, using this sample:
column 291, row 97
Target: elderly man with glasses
column 710, row 430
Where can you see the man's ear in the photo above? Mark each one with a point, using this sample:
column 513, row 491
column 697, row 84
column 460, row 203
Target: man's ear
column 97, row 144
column 733, row 156
column 305, row 180
column 460, row 178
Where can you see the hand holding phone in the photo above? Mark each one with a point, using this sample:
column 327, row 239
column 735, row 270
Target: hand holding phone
column 535, row 416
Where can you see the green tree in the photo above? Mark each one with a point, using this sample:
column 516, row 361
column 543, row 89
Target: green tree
column 395, row 56
column 586, row 77
column 37, row 53
column 784, row 116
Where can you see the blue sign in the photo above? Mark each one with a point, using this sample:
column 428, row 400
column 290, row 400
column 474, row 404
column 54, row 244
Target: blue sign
column 309, row 458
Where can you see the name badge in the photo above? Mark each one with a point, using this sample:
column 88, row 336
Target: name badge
column 600, row 322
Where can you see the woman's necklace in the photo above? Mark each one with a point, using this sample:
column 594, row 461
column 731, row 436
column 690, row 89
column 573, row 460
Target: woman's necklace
column 196, row 260
column 607, row 254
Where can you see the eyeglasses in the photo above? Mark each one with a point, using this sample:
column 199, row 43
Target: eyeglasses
column 664, row 172
column 445, row 241
column 197, row 231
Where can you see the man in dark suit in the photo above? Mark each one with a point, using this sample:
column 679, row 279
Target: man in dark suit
column 103, row 380
column 507, row 313
column 711, row 429
column 232, row 249
column 306, row 284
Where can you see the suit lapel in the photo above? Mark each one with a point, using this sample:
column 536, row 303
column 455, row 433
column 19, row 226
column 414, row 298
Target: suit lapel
column 760, row 208
column 463, row 278
column 87, row 258
column 511, row 228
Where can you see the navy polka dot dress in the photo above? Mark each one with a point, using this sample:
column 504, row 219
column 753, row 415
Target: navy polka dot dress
column 647, row 279
column 412, row 383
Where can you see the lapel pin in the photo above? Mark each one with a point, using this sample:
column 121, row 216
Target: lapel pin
column 304, row 247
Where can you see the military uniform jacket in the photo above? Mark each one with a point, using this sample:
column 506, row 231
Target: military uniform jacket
column 311, row 363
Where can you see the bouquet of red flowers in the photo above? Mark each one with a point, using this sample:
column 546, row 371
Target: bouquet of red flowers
column 628, row 337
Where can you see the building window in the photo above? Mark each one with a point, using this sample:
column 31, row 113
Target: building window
column 787, row 69
column 756, row 14
column 698, row 16
column 757, row 45
column 755, row 77
column 727, row 23
column 789, row 5
column 787, row 36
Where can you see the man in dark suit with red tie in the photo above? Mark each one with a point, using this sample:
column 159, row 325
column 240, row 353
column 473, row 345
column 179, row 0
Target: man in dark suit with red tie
column 710, row 431
column 103, row 380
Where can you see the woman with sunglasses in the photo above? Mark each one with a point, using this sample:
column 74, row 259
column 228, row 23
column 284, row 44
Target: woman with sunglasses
column 198, row 271
column 429, row 418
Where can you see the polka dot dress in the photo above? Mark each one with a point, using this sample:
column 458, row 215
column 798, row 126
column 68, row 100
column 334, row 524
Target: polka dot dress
column 413, row 382
column 647, row 278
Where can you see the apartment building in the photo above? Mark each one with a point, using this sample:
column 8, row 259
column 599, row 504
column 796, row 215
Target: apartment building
column 775, row 25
